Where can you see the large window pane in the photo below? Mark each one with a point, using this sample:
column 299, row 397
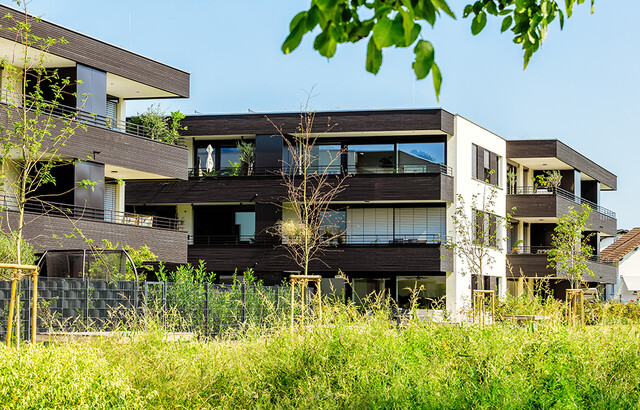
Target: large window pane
column 246, row 225
column 230, row 161
column 422, row 157
column 371, row 158
column 201, row 158
column 327, row 159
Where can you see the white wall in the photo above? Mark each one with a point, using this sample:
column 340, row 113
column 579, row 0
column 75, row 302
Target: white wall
column 628, row 266
column 459, row 149
column 185, row 214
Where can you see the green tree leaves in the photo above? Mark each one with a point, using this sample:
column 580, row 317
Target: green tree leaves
column 399, row 23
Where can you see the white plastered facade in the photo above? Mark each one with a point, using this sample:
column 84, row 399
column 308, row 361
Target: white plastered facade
column 459, row 157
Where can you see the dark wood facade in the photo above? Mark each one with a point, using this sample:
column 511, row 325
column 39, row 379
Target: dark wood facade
column 536, row 265
column 339, row 121
column 559, row 150
column 373, row 187
column 354, row 261
column 106, row 57
column 550, row 205
column 48, row 232
column 112, row 147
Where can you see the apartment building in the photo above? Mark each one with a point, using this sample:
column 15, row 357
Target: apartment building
column 108, row 151
column 405, row 167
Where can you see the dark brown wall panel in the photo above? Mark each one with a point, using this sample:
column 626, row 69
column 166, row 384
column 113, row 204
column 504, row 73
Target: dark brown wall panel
column 536, row 266
column 557, row 149
column 351, row 260
column 168, row 245
column 389, row 187
column 123, row 150
column 338, row 121
column 106, row 57
column 553, row 206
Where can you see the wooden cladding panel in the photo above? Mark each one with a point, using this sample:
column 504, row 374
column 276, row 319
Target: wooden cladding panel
column 169, row 245
column 106, row 57
column 566, row 154
column 338, row 121
column 553, row 206
column 535, row 265
column 389, row 187
column 351, row 260
column 116, row 148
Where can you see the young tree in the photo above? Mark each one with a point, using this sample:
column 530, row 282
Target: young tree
column 34, row 129
column 478, row 233
column 571, row 251
column 311, row 187
column 399, row 24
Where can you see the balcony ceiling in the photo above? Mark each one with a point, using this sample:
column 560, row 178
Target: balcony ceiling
column 542, row 163
column 111, row 171
column 14, row 53
column 129, row 89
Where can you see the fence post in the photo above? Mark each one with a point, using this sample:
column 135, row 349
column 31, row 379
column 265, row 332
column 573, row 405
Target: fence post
column 277, row 299
column 29, row 318
column 86, row 299
column 242, row 298
column 164, row 305
column 206, row 308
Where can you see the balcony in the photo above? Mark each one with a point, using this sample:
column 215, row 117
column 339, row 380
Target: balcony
column 356, row 253
column 126, row 146
column 531, row 203
column 340, row 241
column 231, row 171
column 531, row 261
column 54, row 225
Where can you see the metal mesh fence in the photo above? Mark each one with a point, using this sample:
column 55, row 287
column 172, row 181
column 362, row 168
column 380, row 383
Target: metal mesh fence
column 80, row 305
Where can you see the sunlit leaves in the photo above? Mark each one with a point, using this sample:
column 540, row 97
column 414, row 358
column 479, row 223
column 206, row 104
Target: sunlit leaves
column 399, row 23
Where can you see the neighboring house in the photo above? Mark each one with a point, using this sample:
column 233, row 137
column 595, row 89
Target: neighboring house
column 624, row 253
column 537, row 210
column 110, row 151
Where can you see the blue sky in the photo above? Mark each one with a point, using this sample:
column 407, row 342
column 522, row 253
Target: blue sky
column 582, row 87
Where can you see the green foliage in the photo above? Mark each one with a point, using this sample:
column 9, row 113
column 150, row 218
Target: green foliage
column 108, row 265
column 159, row 126
column 8, row 250
column 351, row 361
column 571, row 251
column 400, row 23
column 247, row 155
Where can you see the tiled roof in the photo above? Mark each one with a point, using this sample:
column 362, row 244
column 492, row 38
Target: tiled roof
column 622, row 246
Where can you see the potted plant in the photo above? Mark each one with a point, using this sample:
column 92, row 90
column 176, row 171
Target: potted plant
column 512, row 180
column 553, row 179
column 247, row 155
column 540, row 181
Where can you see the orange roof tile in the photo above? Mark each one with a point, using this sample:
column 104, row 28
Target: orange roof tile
column 622, row 246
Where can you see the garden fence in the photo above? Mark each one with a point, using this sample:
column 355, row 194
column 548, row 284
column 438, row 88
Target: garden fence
column 81, row 305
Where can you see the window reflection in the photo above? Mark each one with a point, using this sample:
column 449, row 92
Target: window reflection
column 371, row 158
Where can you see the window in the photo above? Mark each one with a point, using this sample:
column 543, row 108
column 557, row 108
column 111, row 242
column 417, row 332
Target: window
column 485, row 165
column 485, row 228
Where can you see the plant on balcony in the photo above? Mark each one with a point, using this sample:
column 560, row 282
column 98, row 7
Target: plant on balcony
column 512, row 180
column 570, row 250
column 309, row 193
column 33, row 131
column 247, row 155
column 158, row 126
column 554, row 178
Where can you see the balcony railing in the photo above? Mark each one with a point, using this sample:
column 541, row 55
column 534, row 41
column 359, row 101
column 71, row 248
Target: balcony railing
column 342, row 240
column 531, row 190
column 94, row 214
column 88, row 118
column 330, row 170
column 544, row 251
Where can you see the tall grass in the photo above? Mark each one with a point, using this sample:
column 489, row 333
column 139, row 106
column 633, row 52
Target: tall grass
column 347, row 360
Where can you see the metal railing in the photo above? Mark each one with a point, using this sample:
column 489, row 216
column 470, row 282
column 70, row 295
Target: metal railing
column 544, row 250
column 532, row 190
column 342, row 240
column 330, row 170
column 88, row 118
column 94, row 214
